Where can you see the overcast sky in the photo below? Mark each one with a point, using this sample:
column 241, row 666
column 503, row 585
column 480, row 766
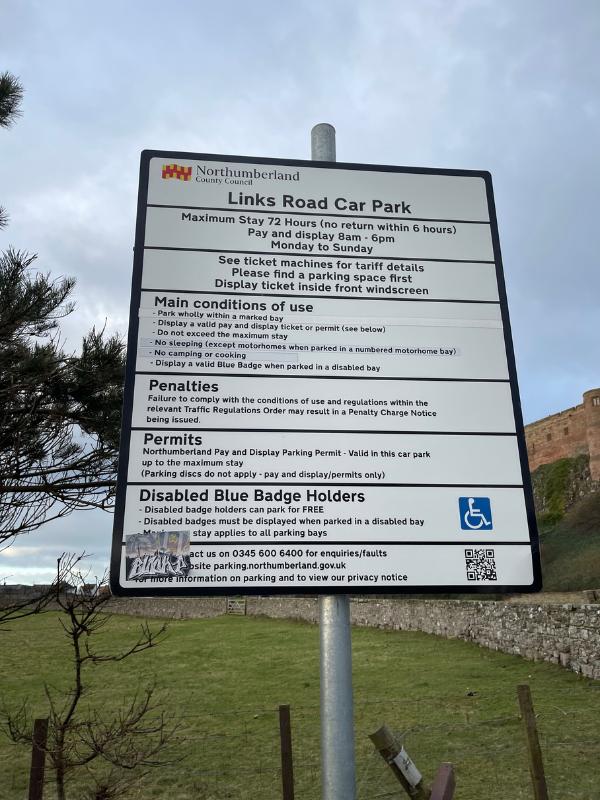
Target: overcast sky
column 511, row 86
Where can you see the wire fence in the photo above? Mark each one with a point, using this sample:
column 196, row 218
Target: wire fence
column 235, row 754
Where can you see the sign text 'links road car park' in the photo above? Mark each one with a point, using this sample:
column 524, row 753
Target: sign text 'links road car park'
column 321, row 393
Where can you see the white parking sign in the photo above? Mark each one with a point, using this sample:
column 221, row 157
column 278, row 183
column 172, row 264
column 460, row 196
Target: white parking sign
column 321, row 392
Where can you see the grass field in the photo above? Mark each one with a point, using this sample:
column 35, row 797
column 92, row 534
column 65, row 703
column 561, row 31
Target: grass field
column 571, row 549
column 571, row 561
column 226, row 676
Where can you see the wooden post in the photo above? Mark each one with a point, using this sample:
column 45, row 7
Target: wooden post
column 534, row 752
column 287, row 761
column 444, row 783
column 400, row 763
column 38, row 759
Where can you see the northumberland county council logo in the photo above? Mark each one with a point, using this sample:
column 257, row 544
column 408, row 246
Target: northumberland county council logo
column 175, row 171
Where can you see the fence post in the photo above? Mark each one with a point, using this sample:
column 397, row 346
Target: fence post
column 444, row 783
column 287, row 761
column 38, row 759
column 534, row 752
column 400, row 763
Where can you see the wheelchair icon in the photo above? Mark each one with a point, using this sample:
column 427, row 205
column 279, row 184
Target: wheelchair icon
column 475, row 513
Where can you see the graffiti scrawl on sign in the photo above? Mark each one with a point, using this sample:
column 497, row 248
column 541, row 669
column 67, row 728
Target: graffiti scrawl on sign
column 158, row 555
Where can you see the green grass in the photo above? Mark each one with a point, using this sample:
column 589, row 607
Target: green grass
column 226, row 676
column 555, row 487
column 571, row 550
column 583, row 517
column 551, row 482
column 569, row 526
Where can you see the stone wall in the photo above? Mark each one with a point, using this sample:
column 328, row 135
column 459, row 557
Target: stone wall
column 564, row 634
column 169, row 607
column 567, row 434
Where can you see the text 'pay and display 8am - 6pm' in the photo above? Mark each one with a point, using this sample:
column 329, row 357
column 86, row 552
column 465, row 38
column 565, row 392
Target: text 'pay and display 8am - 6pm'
column 321, row 392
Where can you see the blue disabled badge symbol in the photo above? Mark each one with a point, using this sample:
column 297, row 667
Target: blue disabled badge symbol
column 475, row 513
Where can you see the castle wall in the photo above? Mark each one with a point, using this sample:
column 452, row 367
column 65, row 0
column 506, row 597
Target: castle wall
column 591, row 403
column 561, row 435
column 567, row 434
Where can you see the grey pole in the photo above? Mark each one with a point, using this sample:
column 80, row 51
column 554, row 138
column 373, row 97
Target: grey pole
column 337, row 718
column 322, row 142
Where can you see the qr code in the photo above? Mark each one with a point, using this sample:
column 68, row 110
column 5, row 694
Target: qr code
column 480, row 564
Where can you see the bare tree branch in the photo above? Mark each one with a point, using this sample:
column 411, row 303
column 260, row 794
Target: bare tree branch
column 136, row 737
column 26, row 607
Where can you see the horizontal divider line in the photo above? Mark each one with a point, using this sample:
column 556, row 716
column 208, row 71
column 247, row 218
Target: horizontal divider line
column 368, row 542
column 325, row 297
column 322, row 377
column 324, row 166
column 311, row 430
column 254, row 209
column 327, row 485
column 292, row 254
column 222, row 589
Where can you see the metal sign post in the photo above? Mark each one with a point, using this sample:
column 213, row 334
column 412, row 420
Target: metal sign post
column 320, row 396
column 337, row 722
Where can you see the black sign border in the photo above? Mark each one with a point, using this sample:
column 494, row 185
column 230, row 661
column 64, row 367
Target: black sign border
column 207, row 591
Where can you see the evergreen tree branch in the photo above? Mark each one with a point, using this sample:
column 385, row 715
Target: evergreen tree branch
column 11, row 95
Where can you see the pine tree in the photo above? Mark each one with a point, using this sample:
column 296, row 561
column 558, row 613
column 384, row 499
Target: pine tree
column 11, row 94
column 59, row 413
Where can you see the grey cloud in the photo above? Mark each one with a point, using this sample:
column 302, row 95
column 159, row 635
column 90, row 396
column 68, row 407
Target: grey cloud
column 502, row 85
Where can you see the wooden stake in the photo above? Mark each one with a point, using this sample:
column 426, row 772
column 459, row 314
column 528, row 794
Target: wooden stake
column 394, row 755
column 287, row 761
column 38, row 759
column 444, row 783
column 534, row 752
